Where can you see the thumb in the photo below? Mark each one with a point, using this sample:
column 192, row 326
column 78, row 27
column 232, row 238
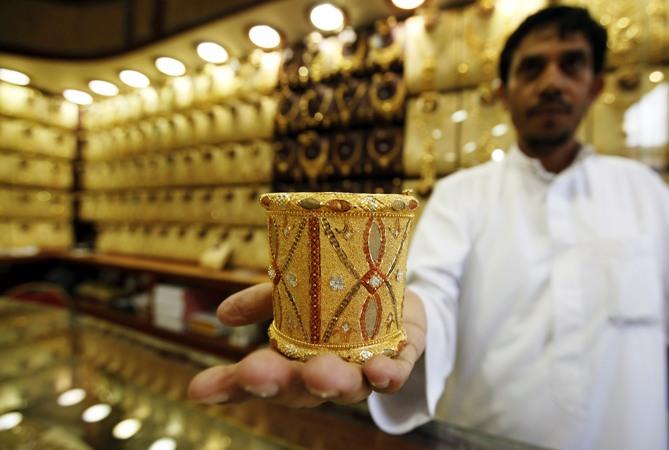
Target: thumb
column 251, row 305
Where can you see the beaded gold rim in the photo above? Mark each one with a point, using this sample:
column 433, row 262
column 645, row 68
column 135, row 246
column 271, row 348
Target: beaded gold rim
column 389, row 346
column 339, row 202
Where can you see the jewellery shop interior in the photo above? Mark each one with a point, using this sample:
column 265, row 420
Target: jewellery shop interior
column 136, row 138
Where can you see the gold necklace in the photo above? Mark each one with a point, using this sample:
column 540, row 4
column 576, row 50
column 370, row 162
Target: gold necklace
column 312, row 154
column 384, row 145
column 387, row 95
column 385, row 49
column 353, row 55
column 287, row 111
column 349, row 98
column 347, row 152
column 315, row 106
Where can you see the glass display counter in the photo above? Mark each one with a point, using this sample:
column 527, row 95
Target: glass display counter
column 70, row 381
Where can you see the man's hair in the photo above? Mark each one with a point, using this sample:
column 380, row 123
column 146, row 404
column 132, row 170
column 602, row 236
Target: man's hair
column 568, row 20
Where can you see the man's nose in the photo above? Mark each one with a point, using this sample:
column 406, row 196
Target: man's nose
column 552, row 80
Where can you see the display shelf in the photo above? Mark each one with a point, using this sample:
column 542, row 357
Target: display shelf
column 215, row 345
column 165, row 269
column 39, row 122
column 238, row 277
column 36, row 154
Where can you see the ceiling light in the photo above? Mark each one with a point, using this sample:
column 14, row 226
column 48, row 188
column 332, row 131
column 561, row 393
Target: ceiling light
column 14, row 77
column 497, row 155
column 170, row 66
column 71, row 397
column 10, row 420
column 408, row 4
column 134, row 79
column 77, row 96
column 327, row 17
column 126, row 429
column 656, row 76
column 212, row 52
column 96, row 413
column 164, row 444
column 264, row 36
column 101, row 87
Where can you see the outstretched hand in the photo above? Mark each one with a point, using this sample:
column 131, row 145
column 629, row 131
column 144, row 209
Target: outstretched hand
column 270, row 375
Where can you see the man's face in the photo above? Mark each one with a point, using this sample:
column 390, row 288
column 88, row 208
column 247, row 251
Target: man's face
column 550, row 87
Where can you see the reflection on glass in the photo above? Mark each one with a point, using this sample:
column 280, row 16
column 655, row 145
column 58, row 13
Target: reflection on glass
column 165, row 443
column 126, row 429
column 71, row 397
column 96, row 413
column 10, row 420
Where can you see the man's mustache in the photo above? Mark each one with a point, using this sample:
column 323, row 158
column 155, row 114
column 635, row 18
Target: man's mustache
column 558, row 106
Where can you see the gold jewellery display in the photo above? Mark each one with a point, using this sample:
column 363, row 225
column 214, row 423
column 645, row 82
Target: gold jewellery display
column 486, row 127
column 430, row 137
column 338, row 272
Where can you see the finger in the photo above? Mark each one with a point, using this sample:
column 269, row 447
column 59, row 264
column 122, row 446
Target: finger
column 389, row 375
column 268, row 375
column 251, row 305
column 215, row 385
column 330, row 377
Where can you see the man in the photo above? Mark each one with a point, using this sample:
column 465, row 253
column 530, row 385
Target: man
column 546, row 274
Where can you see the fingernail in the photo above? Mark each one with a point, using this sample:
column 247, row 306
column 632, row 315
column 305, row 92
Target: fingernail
column 218, row 398
column 323, row 394
column 263, row 391
column 380, row 384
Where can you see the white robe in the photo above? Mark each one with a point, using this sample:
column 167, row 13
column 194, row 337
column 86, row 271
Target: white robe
column 545, row 298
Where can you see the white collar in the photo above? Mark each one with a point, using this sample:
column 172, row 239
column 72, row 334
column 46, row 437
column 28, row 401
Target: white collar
column 517, row 157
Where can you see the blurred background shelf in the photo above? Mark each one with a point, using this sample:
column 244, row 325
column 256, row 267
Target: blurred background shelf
column 164, row 269
column 218, row 346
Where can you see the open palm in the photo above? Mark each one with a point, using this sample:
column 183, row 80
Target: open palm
column 267, row 374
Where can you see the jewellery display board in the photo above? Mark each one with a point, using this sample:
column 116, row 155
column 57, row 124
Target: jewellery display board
column 341, row 106
column 630, row 116
column 38, row 141
column 178, row 173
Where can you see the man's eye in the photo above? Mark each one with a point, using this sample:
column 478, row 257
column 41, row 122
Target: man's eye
column 572, row 64
column 529, row 70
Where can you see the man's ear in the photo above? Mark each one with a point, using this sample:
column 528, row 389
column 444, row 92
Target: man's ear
column 597, row 87
column 501, row 94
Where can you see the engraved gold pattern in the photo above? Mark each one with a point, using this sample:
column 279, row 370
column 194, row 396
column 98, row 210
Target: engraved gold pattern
column 351, row 306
